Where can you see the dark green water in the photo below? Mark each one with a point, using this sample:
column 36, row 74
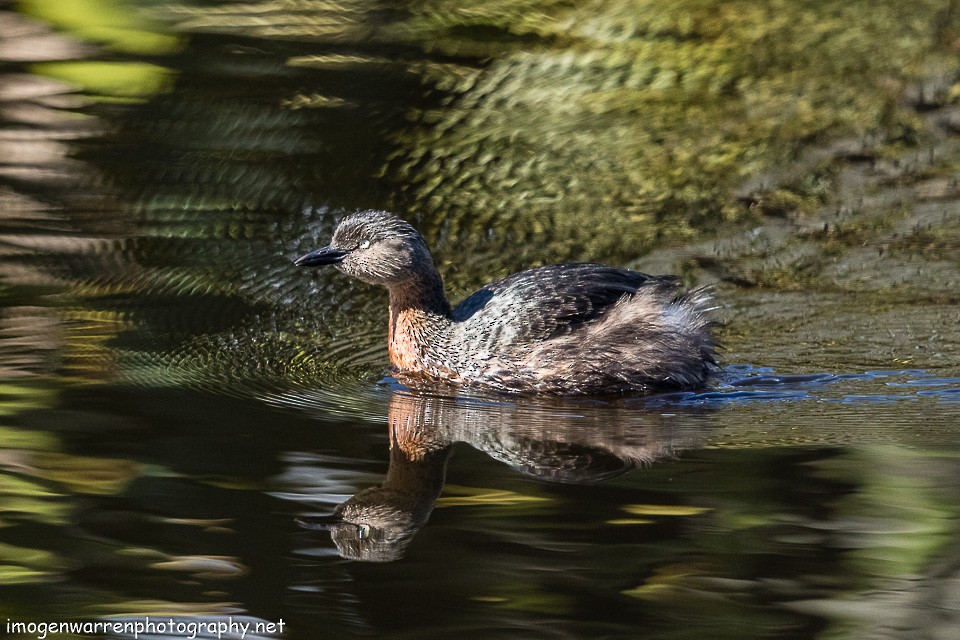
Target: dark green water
column 175, row 397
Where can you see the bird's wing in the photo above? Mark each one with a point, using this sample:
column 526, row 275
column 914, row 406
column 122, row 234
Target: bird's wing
column 547, row 302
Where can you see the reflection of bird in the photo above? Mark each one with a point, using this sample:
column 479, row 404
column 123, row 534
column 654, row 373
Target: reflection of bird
column 561, row 329
column 378, row 523
column 556, row 441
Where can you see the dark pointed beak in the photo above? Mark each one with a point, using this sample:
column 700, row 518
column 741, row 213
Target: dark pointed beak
column 321, row 257
column 320, row 523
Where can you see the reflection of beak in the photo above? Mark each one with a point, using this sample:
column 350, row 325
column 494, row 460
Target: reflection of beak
column 320, row 523
column 321, row 257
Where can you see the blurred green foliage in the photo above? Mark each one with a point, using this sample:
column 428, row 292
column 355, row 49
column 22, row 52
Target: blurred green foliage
column 605, row 127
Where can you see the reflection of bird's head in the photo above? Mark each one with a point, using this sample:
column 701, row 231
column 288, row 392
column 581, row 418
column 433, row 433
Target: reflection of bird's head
column 378, row 524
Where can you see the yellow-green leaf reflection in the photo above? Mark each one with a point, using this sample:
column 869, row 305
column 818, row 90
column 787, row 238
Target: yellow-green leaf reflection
column 11, row 438
column 899, row 519
column 661, row 583
column 80, row 474
column 471, row 496
column 12, row 574
column 663, row 510
column 113, row 23
column 157, row 608
column 629, row 521
column 109, row 79
column 11, row 485
column 15, row 398
column 529, row 597
column 23, row 565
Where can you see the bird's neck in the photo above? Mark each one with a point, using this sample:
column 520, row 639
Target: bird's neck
column 423, row 294
column 418, row 309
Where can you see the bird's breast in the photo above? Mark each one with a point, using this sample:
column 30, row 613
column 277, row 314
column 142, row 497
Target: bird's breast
column 407, row 340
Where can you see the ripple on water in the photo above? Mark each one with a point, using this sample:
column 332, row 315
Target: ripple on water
column 322, row 374
column 867, row 387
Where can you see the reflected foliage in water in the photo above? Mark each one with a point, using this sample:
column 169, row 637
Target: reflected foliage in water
column 576, row 121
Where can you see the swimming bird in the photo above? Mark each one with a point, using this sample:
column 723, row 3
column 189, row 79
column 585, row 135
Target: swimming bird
column 563, row 329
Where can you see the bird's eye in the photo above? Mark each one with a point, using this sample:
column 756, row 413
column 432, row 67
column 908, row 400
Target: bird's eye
column 364, row 244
